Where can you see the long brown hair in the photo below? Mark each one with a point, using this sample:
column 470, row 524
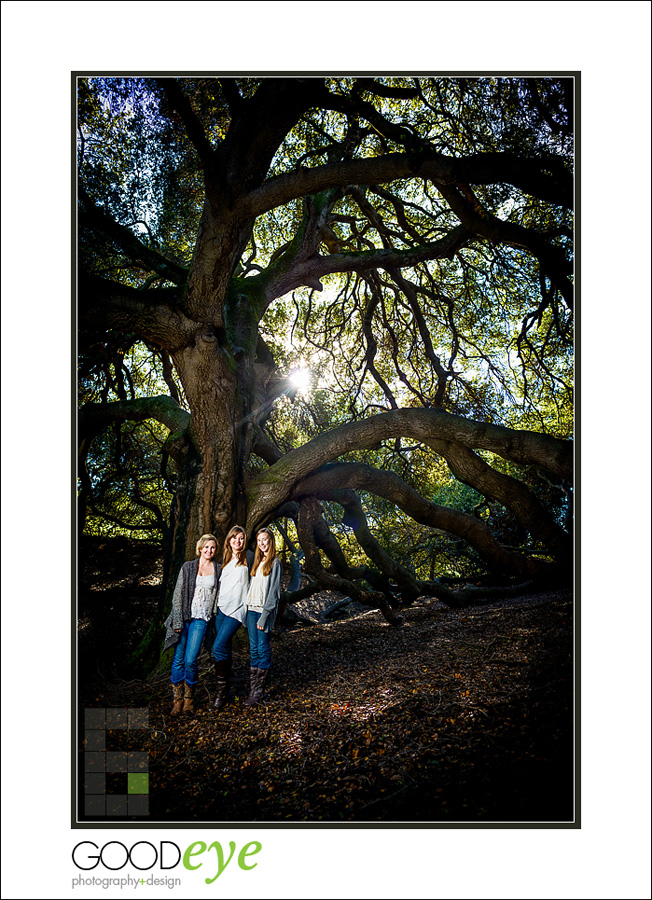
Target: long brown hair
column 227, row 552
column 271, row 553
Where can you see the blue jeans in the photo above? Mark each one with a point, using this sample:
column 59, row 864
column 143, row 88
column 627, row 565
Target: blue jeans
column 226, row 627
column 185, row 661
column 259, row 646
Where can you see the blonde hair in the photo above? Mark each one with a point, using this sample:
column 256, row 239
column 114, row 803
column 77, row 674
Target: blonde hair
column 227, row 552
column 271, row 553
column 204, row 539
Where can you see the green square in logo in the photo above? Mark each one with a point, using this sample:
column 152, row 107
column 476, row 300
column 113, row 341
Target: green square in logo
column 138, row 783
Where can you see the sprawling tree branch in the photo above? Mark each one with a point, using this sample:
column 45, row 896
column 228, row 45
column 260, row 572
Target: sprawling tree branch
column 152, row 314
column 470, row 469
column 95, row 417
column 530, row 175
column 309, row 513
column 275, row 485
column 384, row 90
column 310, row 524
column 92, row 216
column 327, row 481
column 553, row 259
column 354, row 516
column 264, row 447
column 256, row 133
column 194, row 128
column 311, row 269
column 410, row 294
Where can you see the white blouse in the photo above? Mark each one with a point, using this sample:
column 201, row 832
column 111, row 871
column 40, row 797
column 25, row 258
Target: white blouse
column 257, row 590
column 202, row 602
column 234, row 582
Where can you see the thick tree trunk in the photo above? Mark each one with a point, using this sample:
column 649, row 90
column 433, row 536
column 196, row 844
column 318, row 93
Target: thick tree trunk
column 210, row 385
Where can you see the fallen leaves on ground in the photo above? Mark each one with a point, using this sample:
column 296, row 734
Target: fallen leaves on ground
column 449, row 718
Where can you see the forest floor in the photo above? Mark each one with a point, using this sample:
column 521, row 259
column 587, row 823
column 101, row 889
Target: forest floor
column 456, row 716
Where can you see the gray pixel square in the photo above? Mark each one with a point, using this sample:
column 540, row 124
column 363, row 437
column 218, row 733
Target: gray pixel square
column 139, row 761
column 117, row 718
column 116, row 761
column 94, row 718
column 138, row 804
column 95, row 783
column 94, row 762
column 116, row 804
column 95, row 740
column 139, row 718
column 95, row 805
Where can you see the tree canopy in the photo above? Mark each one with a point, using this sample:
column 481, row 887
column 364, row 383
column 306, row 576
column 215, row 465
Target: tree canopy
column 342, row 306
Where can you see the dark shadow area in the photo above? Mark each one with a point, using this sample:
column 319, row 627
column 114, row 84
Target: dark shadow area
column 458, row 716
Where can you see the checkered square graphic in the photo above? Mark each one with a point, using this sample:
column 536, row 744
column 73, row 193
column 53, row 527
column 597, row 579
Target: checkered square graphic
column 99, row 761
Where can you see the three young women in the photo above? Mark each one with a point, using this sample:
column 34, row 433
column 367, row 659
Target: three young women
column 244, row 590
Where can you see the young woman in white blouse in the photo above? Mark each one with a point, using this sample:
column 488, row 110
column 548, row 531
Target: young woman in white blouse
column 232, row 607
column 262, row 605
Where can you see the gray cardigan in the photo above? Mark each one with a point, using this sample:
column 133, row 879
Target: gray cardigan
column 272, row 596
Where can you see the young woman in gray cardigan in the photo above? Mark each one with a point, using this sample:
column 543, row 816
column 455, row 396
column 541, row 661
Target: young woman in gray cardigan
column 262, row 605
column 194, row 603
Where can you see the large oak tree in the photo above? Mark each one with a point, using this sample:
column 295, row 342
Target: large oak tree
column 412, row 236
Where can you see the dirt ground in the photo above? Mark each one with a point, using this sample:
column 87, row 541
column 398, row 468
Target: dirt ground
column 456, row 716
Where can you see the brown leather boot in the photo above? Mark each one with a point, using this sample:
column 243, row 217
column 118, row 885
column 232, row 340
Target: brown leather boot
column 188, row 704
column 256, row 684
column 253, row 675
column 177, row 690
column 222, row 682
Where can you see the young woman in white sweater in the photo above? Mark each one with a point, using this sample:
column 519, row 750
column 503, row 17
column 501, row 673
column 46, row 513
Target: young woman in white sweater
column 232, row 607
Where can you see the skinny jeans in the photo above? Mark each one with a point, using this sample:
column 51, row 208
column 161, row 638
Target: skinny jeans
column 185, row 663
column 226, row 627
column 260, row 650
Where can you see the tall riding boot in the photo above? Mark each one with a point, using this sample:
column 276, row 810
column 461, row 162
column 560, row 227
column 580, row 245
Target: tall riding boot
column 257, row 683
column 253, row 678
column 188, row 704
column 177, row 690
column 222, row 682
